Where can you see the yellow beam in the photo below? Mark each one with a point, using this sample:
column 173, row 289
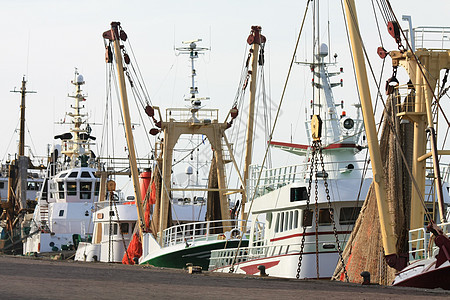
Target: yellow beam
column 387, row 230
column 429, row 154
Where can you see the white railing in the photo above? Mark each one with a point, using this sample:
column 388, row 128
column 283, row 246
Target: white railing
column 432, row 37
column 185, row 115
column 201, row 231
column 224, row 257
column 275, row 178
column 421, row 246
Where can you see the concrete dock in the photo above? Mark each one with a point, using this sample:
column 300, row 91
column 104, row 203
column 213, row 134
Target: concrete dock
column 33, row 278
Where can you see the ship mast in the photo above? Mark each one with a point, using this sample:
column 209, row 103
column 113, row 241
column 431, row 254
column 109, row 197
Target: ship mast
column 387, row 230
column 255, row 39
column 114, row 36
column 22, row 164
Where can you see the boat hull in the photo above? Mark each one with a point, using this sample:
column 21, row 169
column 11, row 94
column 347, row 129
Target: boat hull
column 286, row 265
column 421, row 275
column 198, row 255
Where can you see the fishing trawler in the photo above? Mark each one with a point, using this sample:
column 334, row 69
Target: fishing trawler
column 167, row 242
column 280, row 197
column 63, row 214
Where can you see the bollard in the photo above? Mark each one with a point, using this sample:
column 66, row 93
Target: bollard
column 262, row 270
column 366, row 277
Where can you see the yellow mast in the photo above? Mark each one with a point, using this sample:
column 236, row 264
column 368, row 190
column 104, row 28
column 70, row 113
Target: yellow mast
column 255, row 39
column 420, row 114
column 387, row 229
column 113, row 35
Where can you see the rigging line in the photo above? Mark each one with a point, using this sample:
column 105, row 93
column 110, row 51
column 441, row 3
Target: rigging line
column 105, row 116
column 390, row 124
column 140, row 74
column 10, row 141
column 273, row 127
column 378, row 25
column 381, row 12
column 31, row 139
column 145, row 130
column 421, row 67
column 190, row 152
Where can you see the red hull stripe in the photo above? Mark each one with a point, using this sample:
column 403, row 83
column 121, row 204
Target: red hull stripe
column 304, row 147
column 253, row 269
column 307, row 234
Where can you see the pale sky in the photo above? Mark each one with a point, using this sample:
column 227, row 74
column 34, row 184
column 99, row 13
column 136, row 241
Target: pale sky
column 46, row 39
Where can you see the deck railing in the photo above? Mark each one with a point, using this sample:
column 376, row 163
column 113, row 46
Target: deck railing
column 224, row 257
column 421, row 246
column 201, row 231
column 275, row 178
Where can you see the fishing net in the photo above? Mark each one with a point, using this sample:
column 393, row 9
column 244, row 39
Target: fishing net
column 364, row 249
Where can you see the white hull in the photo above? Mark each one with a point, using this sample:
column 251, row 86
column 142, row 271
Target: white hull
column 285, row 266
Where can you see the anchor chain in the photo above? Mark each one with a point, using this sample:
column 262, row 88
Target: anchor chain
column 317, row 151
column 121, row 233
column 327, row 192
column 302, row 245
column 316, row 208
column 110, row 227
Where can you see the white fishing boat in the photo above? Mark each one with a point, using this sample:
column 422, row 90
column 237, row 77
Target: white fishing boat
column 283, row 198
column 63, row 213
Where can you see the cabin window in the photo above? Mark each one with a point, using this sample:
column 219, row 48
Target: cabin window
column 269, row 219
column 277, row 223
column 325, row 215
column 295, row 219
column 97, row 188
column 61, row 212
column 291, row 219
column 114, row 229
column 307, row 218
column 62, row 175
column 299, row 194
column 2, row 185
column 33, row 186
column 85, row 174
column 124, row 228
column 281, row 222
column 71, row 188
column 61, row 189
column 73, row 175
column 348, row 215
column 85, row 190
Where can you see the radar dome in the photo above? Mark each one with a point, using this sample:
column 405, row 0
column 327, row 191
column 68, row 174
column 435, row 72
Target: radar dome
column 323, row 50
column 189, row 170
column 80, row 79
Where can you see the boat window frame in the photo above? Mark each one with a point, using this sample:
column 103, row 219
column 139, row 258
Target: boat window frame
column 70, row 190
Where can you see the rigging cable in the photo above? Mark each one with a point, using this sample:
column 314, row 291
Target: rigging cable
column 272, row 130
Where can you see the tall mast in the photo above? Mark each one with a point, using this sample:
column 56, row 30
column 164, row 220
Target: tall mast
column 387, row 230
column 22, row 161
column 23, row 91
column 113, row 35
column 255, row 39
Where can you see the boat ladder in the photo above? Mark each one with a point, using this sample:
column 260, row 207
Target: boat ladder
column 43, row 212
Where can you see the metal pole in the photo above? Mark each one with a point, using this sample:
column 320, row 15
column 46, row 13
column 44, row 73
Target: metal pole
column 127, row 123
column 387, row 229
column 255, row 39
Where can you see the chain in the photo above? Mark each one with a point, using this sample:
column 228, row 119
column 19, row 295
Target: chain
column 306, row 211
column 316, row 208
column 110, row 227
column 121, row 233
column 327, row 192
